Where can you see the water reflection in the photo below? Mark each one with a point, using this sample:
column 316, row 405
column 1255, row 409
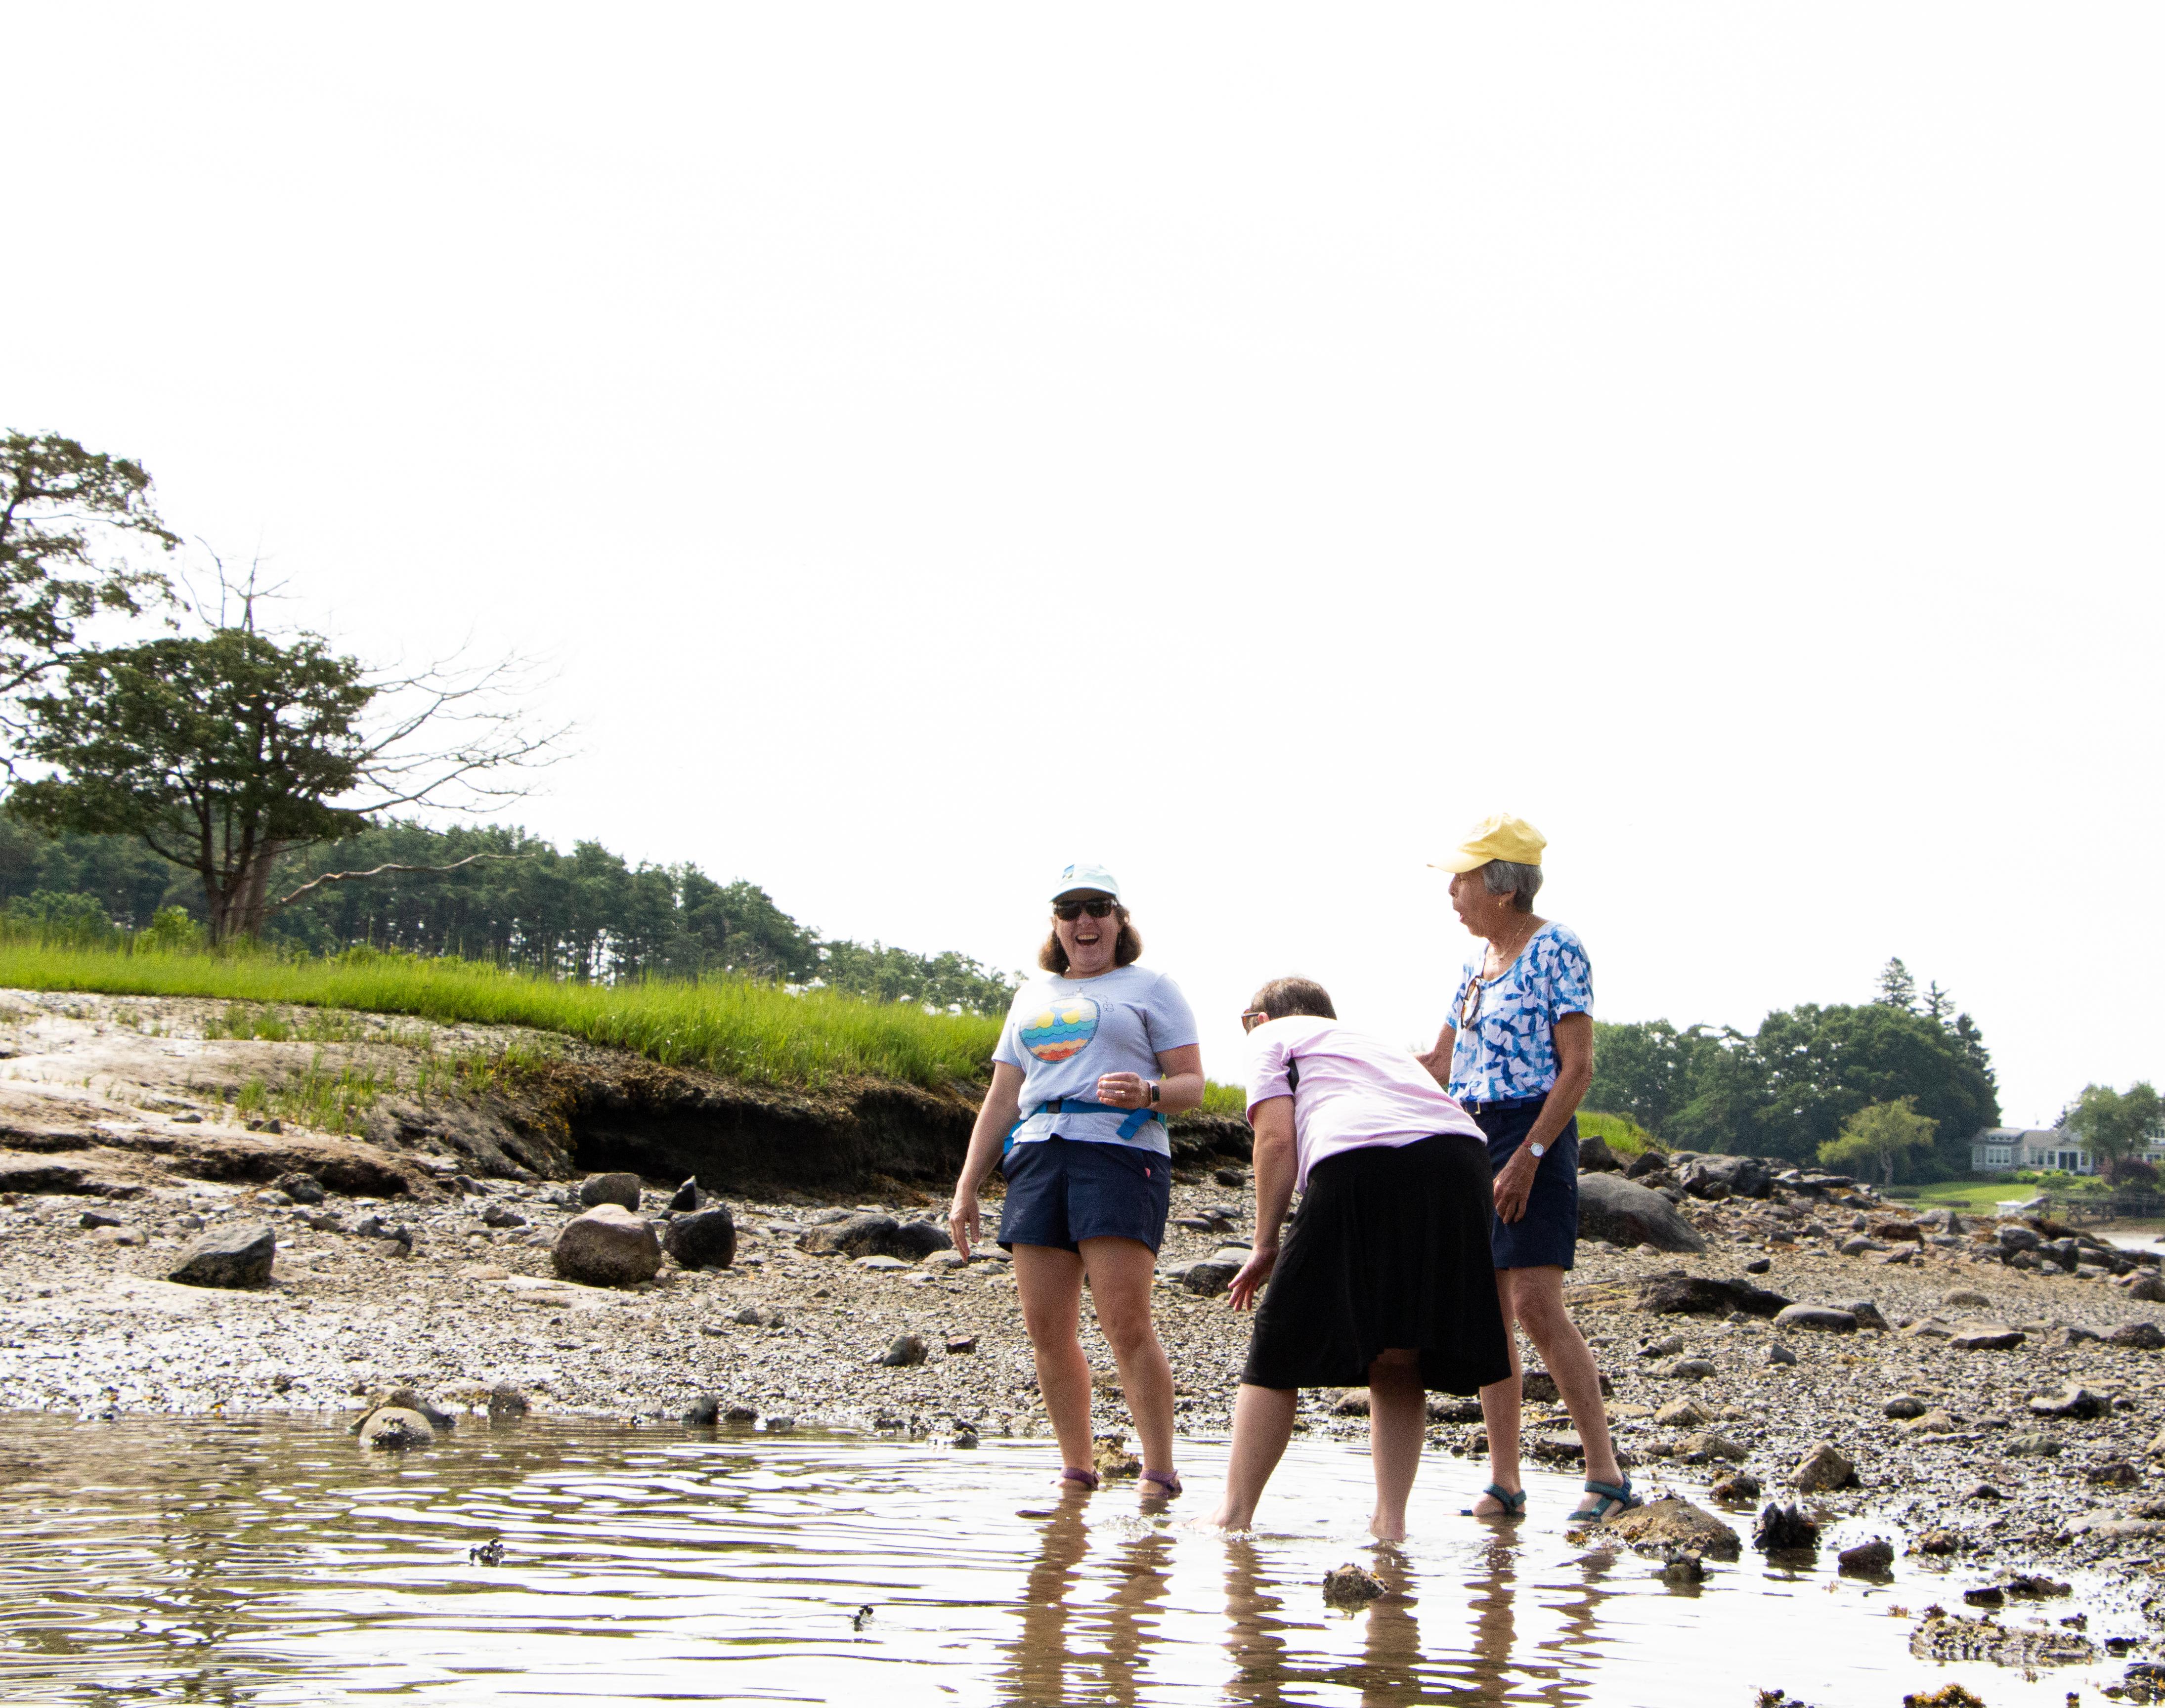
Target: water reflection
column 256, row 1562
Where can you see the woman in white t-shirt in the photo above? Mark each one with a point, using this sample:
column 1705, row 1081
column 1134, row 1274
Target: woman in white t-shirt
column 1093, row 1057
column 1385, row 1279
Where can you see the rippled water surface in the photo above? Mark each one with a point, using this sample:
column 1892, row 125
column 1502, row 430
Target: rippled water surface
column 272, row 1560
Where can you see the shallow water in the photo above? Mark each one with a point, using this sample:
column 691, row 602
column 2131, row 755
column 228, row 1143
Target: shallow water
column 271, row 1560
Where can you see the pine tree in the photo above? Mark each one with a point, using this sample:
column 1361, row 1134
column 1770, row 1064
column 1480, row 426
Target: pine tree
column 1897, row 989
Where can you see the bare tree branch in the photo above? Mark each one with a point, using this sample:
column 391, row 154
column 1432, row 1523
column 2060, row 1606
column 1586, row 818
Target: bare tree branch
column 387, row 866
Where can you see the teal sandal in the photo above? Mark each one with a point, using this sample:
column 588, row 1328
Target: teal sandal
column 1512, row 1503
column 1610, row 1499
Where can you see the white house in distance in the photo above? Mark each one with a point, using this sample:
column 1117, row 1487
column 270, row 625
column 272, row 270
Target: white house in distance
column 1996, row 1147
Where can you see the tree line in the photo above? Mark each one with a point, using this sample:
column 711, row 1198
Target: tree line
column 1789, row 1089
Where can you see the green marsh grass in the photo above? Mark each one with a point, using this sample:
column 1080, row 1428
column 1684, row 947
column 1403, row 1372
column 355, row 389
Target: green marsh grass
column 1623, row 1135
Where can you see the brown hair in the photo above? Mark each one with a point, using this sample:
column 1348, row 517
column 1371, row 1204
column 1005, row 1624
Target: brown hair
column 1127, row 947
column 1284, row 996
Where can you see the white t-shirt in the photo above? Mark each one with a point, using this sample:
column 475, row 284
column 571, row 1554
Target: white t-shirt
column 1064, row 1033
column 1354, row 1090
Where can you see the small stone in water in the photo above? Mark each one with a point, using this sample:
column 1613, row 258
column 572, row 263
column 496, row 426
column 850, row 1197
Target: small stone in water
column 1351, row 1586
column 704, row 1413
column 1781, row 1528
column 740, row 1413
column 1871, row 1559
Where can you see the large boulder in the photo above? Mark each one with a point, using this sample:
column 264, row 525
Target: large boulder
column 874, row 1235
column 620, row 1188
column 608, row 1246
column 1595, row 1157
column 228, row 1257
column 1678, row 1294
column 706, row 1239
column 1613, row 1208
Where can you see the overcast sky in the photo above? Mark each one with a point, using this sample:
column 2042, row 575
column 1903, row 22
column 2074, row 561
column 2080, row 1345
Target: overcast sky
column 1244, row 445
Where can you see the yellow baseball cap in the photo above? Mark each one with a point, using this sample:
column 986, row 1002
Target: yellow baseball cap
column 1500, row 838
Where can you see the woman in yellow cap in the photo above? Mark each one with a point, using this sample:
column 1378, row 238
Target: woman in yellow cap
column 1518, row 1053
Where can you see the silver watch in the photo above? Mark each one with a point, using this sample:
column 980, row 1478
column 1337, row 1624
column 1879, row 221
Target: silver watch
column 1539, row 1151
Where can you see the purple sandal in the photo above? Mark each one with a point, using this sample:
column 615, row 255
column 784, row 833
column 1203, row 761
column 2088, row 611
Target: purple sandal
column 1087, row 1481
column 1169, row 1482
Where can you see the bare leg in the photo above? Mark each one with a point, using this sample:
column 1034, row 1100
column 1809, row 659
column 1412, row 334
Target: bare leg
column 1499, row 1411
column 1398, row 1418
column 1537, row 1296
column 1262, row 1425
column 1049, row 1282
column 1121, row 1271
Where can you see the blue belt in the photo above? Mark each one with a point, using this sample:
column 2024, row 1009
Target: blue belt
column 1473, row 1108
column 1132, row 1124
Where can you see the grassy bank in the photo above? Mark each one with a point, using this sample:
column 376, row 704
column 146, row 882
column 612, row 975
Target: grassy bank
column 752, row 1032
column 1982, row 1196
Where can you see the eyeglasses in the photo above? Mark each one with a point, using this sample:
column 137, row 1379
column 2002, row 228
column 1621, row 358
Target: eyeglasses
column 1469, row 1008
column 1097, row 906
column 1250, row 1017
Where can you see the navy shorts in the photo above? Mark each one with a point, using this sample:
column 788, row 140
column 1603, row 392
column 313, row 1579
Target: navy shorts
column 1548, row 1232
column 1062, row 1191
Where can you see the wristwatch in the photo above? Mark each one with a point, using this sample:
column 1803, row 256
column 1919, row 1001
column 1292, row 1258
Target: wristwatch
column 1539, row 1151
column 1153, row 1096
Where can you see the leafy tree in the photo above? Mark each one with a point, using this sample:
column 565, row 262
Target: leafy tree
column 1897, row 989
column 1879, row 1134
column 68, row 518
column 2115, row 1125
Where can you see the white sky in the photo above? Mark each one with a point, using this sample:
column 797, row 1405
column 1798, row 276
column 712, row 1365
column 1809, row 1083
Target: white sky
column 1242, row 444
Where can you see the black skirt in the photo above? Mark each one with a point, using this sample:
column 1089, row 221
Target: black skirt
column 1389, row 1250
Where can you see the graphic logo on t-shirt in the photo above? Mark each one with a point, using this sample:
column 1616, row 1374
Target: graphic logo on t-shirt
column 1061, row 1030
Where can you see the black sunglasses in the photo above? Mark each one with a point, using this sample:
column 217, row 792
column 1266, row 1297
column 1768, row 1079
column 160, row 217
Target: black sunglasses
column 1097, row 906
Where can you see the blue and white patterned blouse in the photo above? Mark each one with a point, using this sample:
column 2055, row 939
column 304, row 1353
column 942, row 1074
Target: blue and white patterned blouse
column 1510, row 1050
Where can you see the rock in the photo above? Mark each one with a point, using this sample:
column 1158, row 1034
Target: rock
column 606, row 1247
column 1351, row 1586
column 1893, row 1229
column 1595, row 1157
column 228, row 1257
column 1539, row 1388
column 1990, row 1595
column 1109, row 1457
column 1984, row 1491
column 1986, row 1336
column 1905, row 1405
column 1938, row 1543
column 302, row 1188
column 878, row 1235
column 1689, row 1369
column 1950, row 1637
column 704, row 1413
column 97, row 1218
column 1444, row 1409
column 1720, row 1177
column 958, row 1344
column 703, row 1239
column 1737, row 1485
column 740, row 1413
column 1349, row 1402
column 1706, row 1446
column 1684, row 1569
column 1782, row 1529
column 757, row 1316
column 903, row 1350
column 621, row 1190
column 1868, row 1316
column 1230, row 1177
column 2115, row 1474
column 2144, row 1337
column 686, row 1198
column 406, row 1399
column 501, row 1216
column 1684, row 1414
column 2071, row 1401
column 2015, row 1237
column 393, row 1427
column 1209, row 1279
column 1613, row 1208
column 506, row 1403
column 2033, row 1444
column 2148, row 1287
column 1931, row 1423
column 1869, row 1559
column 1677, row 1293
column 1779, row 1355
column 1758, row 1266
column 1966, row 1299
column 1820, row 1318
column 1825, row 1467
column 1649, row 1161
column 781, row 1423
column 1668, row 1347
column 1671, row 1523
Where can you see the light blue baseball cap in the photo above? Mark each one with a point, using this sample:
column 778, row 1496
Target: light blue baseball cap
column 1084, row 875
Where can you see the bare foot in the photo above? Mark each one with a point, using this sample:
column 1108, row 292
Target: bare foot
column 1383, row 1531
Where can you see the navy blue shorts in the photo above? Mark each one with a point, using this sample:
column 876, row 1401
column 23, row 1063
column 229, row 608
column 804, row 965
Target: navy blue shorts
column 1547, row 1234
column 1062, row 1191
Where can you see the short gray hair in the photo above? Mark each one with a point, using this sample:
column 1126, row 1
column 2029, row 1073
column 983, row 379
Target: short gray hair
column 1512, row 878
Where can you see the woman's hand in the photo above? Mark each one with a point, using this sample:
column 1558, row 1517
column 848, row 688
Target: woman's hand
column 1124, row 1091
column 1515, row 1184
column 962, row 1221
column 1253, row 1273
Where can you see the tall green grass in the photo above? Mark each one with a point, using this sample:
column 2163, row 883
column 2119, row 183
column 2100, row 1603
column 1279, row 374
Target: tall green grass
column 1622, row 1134
column 752, row 1032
